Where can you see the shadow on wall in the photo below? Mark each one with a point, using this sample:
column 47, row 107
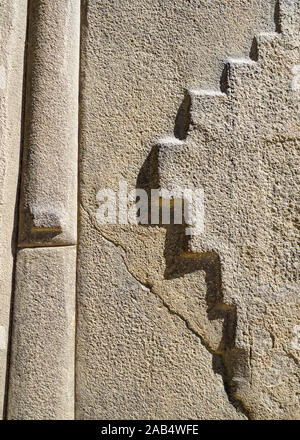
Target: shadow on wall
column 227, row 359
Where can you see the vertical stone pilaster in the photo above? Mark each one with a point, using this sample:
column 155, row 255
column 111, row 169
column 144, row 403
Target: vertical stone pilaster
column 49, row 178
column 41, row 384
column 42, row 372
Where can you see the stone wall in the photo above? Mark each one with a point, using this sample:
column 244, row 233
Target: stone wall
column 13, row 18
column 140, row 320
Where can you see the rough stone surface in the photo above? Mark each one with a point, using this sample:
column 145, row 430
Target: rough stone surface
column 41, row 380
column 49, row 179
column 242, row 148
column 173, row 93
column 41, row 384
column 136, row 358
column 137, row 59
column 12, row 37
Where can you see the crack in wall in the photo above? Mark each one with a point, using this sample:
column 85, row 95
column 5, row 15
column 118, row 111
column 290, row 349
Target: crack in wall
column 238, row 404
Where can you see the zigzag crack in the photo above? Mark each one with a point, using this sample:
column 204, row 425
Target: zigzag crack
column 236, row 402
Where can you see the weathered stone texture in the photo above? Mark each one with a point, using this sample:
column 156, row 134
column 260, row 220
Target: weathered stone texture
column 12, row 42
column 41, row 383
column 137, row 59
column 244, row 153
column 136, row 359
column 49, row 177
column 173, row 93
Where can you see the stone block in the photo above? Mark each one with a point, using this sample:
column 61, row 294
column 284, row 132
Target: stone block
column 41, row 382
